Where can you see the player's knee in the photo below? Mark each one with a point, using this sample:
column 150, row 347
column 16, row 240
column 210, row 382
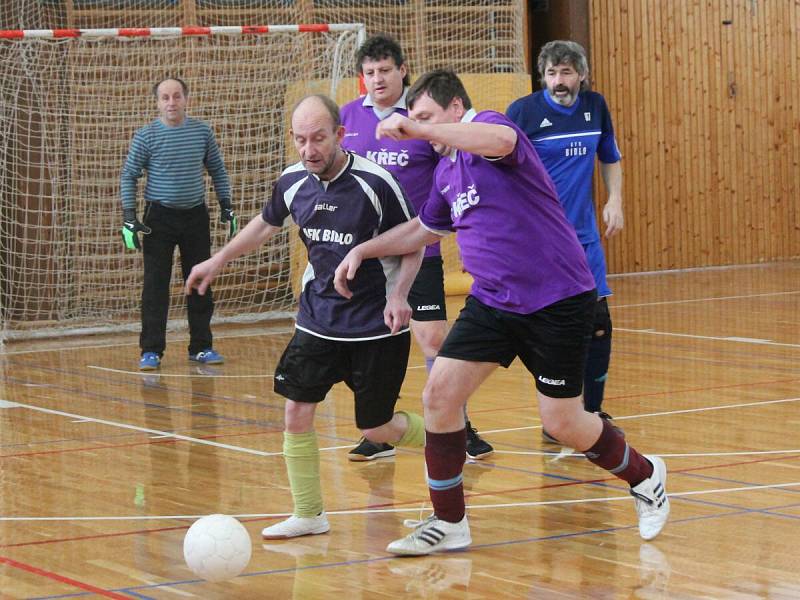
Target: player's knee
column 437, row 395
column 298, row 416
column 429, row 337
column 602, row 320
column 559, row 417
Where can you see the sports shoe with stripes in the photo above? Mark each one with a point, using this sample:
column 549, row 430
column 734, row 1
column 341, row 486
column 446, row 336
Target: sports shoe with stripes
column 432, row 535
column 652, row 503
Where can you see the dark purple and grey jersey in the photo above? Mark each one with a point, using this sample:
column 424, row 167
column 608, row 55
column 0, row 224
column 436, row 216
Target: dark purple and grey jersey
column 411, row 161
column 361, row 202
column 514, row 237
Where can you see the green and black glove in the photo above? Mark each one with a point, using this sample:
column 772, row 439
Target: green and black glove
column 131, row 228
column 226, row 215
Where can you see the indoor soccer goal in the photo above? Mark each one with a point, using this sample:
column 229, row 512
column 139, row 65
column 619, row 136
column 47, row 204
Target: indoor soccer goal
column 70, row 101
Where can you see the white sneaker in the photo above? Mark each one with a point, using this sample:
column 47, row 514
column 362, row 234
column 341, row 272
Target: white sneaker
column 650, row 497
column 432, row 535
column 297, row 526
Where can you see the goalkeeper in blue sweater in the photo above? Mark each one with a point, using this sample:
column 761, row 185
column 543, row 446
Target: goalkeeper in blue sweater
column 174, row 150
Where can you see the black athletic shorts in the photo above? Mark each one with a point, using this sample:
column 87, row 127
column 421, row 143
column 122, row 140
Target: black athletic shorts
column 551, row 343
column 373, row 369
column 427, row 293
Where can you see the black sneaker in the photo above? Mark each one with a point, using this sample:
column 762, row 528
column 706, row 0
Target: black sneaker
column 477, row 447
column 367, row 450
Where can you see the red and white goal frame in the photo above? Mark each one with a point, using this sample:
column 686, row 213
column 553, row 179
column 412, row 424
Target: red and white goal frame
column 70, row 100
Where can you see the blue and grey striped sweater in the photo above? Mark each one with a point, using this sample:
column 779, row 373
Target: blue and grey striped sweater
column 174, row 158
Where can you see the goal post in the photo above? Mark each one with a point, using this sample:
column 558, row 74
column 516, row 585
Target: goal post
column 70, row 100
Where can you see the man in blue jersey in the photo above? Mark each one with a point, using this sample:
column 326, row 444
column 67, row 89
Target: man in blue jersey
column 533, row 297
column 382, row 65
column 338, row 200
column 569, row 126
column 175, row 151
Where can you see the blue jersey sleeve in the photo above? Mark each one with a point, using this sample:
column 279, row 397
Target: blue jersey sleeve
column 607, row 149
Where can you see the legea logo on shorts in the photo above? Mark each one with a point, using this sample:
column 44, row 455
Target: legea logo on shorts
column 429, row 307
column 551, row 381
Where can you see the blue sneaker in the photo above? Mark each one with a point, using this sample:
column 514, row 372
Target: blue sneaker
column 150, row 361
column 207, row 357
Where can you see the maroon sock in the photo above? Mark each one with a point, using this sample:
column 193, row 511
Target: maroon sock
column 444, row 456
column 612, row 453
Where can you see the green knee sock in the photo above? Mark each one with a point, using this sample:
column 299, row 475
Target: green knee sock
column 415, row 434
column 301, row 453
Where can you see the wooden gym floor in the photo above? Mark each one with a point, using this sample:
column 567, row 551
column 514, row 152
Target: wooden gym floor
column 104, row 468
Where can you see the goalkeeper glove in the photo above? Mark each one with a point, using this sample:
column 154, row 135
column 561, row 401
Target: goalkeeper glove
column 227, row 215
column 131, row 228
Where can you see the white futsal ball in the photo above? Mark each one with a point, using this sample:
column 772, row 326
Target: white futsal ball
column 217, row 547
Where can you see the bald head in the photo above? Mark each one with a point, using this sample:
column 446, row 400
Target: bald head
column 317, row 134
column 317, row 106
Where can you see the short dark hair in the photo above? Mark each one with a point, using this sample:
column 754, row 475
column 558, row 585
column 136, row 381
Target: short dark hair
column 564, row 52
column 379, row 47
column 330, row 105
column 442, row 85
column 184, row 87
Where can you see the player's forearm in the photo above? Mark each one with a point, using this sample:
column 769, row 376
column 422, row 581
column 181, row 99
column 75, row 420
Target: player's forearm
column 127, row 192
column 398, row 241
column 248, row 239
column 612, row 178
column 483, row 139
column 409, row 267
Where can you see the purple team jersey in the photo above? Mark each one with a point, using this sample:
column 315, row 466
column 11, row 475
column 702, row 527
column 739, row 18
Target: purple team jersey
column 514, row 238
column 333, row 216
column 411, row 161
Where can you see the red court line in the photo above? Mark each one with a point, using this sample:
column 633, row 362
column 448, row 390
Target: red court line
column 61, row 579
column 651, row 394
column 467, row 496
column 771, row 458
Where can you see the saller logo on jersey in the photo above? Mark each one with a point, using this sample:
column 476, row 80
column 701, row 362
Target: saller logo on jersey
column 385, row 158
column 465, row 200
column 551, row 381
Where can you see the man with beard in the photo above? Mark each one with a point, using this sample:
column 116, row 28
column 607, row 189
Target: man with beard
column 569, row 126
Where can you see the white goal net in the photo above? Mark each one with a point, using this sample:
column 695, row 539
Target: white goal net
column 70, row 101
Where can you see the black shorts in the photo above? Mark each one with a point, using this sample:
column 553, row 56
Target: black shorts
column 427, row 293
column 373, row 369
column 551, row 343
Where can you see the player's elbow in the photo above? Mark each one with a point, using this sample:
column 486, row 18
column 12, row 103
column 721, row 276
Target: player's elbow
column 506, row 140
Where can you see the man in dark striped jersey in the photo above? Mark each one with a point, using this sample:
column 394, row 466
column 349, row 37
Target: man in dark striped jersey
column 338, row 200
column 175, row 151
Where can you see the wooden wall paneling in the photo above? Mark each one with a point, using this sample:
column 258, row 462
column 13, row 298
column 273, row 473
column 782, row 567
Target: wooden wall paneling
column 709, row 133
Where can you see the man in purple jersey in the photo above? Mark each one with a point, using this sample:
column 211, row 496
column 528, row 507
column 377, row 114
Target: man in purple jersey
column 381, row 62
column 569, row 126
column 533, row 297
column 338, row 200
